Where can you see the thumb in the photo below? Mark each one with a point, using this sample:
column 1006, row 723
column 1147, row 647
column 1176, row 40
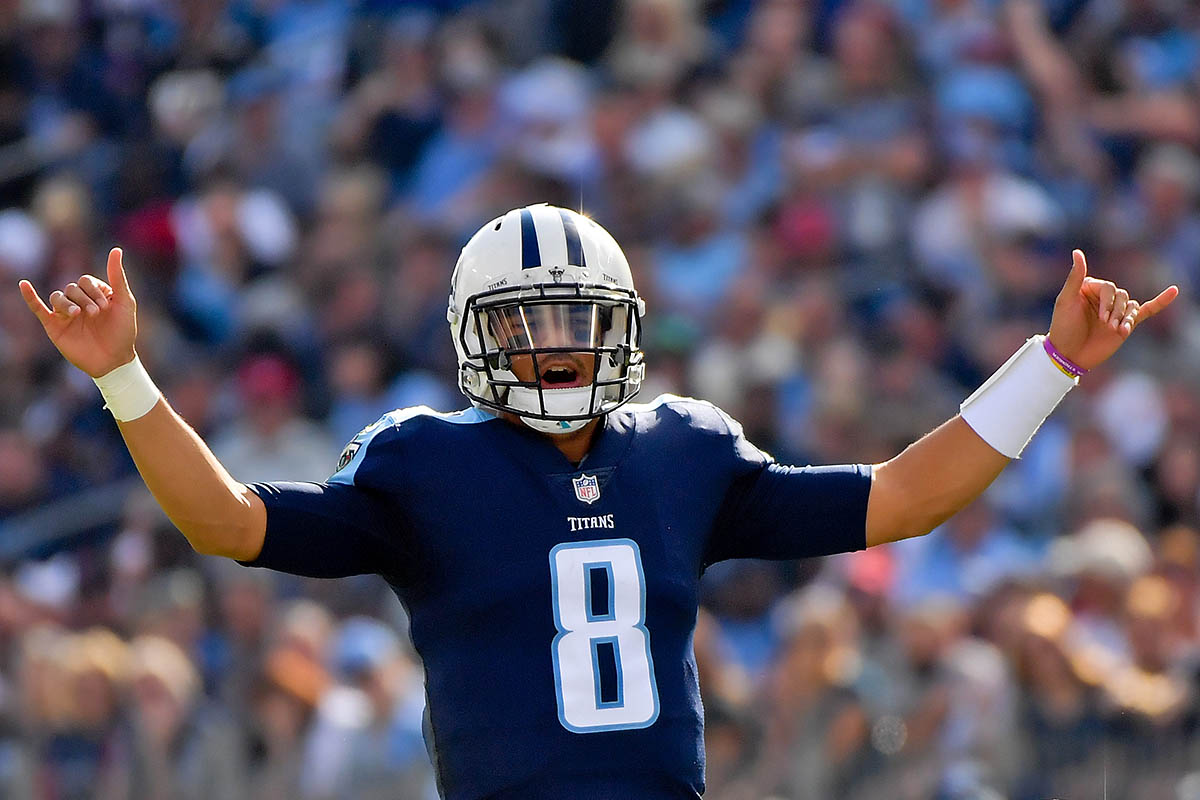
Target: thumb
column 116, row 274
column 1078, row 273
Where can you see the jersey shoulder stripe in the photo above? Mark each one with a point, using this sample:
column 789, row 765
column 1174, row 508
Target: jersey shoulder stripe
column 355, row 451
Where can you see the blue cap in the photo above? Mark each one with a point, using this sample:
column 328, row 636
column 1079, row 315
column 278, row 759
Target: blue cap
column 363, row 644
column 255, row 83
column 989, row 93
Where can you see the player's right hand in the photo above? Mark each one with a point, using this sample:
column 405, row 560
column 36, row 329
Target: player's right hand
column 92, row 323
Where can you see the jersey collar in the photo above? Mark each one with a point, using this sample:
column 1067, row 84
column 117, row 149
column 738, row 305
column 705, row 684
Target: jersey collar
column 610, row 444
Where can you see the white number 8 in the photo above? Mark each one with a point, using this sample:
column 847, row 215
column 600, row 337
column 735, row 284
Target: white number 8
column 603, row 670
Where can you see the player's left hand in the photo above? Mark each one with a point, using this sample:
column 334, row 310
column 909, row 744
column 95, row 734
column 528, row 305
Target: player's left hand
column 1092, row 318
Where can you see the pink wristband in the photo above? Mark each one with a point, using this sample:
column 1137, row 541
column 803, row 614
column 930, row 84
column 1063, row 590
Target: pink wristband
column 1065, row 364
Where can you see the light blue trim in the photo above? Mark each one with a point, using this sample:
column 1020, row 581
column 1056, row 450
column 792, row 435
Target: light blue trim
column 558, row 695
column 616, row 650
column 665, row 399
column 345, row 475
column 588, row 566
column 393, row 419
column 641, row 625
column 468, row 416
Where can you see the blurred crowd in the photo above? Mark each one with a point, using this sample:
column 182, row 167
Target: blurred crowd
column 843, row 214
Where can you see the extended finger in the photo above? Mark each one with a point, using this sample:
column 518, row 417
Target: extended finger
column 116, row 274
column 1164, row 299
column 95, row 289
column 1120, row 300
column 78, row 296
column 62, row 306
column 34, row 301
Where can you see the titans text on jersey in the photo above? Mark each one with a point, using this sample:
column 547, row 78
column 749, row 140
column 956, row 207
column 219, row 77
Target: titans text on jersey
column 553, row 605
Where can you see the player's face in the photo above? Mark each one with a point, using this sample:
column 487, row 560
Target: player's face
column 576, row 328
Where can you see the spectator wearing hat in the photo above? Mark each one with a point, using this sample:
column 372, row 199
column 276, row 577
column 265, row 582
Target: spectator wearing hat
column 274, row 439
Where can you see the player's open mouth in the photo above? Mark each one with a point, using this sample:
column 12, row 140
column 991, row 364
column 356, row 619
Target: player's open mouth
column 561, row 377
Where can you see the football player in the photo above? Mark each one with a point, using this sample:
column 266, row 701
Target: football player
column 555, row 619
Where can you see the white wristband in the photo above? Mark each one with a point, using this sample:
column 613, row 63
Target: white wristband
column 128, row 391
column 1010, row 406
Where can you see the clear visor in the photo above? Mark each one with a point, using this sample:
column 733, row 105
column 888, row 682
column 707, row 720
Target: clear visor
column 541, row 326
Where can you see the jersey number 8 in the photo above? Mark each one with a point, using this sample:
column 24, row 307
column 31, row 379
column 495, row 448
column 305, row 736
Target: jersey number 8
column 603, row 670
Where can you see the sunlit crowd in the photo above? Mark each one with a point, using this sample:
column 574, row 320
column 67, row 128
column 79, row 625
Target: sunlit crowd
column 843, row 215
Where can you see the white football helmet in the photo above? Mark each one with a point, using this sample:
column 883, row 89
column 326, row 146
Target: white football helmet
column 551, row 284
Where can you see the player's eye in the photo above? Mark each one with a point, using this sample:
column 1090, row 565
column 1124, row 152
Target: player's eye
column 582, row 318
column 509, row 328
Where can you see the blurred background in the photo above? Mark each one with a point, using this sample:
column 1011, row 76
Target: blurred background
column 844, row 214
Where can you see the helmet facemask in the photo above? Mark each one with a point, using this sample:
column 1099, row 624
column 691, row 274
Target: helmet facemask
column 557, row 335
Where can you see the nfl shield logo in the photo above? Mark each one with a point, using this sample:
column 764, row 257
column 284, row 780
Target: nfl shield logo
column 587, row 488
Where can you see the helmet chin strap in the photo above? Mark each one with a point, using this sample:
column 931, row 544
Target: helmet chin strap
column 559, row 402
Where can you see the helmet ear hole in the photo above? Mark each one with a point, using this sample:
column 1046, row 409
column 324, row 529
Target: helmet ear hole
column 498, row 359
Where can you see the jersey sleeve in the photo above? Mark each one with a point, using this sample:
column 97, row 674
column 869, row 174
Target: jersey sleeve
column 344, row 526
column 779, row 512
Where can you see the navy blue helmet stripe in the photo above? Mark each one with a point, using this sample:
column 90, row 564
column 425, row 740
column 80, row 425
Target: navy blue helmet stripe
column 531, row 256
column 574, row 246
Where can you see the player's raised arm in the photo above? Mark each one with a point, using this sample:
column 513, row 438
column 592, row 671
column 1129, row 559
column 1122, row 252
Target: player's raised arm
column 945, row 470
column 93, row 324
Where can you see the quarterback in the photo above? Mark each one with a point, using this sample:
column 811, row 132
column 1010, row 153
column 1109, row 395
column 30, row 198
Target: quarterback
column 555, row 622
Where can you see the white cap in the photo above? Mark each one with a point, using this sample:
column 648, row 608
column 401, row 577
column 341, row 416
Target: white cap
column 22, row 244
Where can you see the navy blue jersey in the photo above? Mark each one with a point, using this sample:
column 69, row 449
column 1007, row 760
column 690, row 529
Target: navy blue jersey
column 553, row 605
